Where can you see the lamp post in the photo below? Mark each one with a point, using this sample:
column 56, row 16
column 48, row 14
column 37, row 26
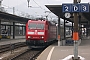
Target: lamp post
column 0, row 18
column 28, row 2
column 31, row 6
column 0, row 2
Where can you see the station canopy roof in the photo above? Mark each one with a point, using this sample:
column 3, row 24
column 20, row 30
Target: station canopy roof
column 13, row 18
column 57, row 10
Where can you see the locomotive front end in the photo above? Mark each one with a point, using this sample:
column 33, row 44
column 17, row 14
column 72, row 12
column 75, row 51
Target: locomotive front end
column 35, row 33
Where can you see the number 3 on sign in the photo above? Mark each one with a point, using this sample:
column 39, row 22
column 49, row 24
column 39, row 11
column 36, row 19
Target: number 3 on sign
column 84, row 8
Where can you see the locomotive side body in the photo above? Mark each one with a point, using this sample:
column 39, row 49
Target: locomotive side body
column 52, row 29
column 38, row 33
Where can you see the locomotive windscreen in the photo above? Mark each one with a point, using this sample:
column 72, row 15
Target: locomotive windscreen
column 36, row 26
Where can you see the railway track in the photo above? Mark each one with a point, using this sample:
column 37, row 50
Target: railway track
column 8, row 47
column 30, row 54
column 25, row 54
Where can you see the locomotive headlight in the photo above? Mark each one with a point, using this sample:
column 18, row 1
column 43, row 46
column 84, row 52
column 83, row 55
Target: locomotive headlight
column 29, row 36
column 42, row 37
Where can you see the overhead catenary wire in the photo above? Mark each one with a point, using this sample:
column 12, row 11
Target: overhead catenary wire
column 18, row 11
column 14, row 10
column 11, row 8
column 38, row 4
column 7, row 6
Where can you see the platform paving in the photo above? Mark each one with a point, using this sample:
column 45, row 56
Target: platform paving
column 60, row 52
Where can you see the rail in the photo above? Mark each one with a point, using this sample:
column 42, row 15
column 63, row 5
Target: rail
column 8, row 47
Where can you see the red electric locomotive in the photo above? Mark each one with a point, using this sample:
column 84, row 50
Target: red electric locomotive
column 40, row 32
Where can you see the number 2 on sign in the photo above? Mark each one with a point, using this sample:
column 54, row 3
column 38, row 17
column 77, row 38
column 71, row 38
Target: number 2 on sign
column 66, row 8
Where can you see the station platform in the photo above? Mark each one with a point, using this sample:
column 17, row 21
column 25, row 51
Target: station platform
column 55, row 52
column 11, row 41
column 17, row 37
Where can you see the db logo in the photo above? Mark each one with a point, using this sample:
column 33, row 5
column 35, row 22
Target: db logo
column 35, row 31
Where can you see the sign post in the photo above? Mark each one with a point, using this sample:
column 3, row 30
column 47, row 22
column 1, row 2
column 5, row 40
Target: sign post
column 75, row 8
column 75, row 33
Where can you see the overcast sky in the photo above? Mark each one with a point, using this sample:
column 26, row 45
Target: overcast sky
column 22, row 6
column 39, row 9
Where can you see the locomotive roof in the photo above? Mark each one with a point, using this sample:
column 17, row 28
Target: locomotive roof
column 50, row 22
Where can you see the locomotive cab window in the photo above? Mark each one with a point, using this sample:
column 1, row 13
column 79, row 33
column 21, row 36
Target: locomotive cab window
column 35, row 26
column 40, row 26
column 32, row 26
